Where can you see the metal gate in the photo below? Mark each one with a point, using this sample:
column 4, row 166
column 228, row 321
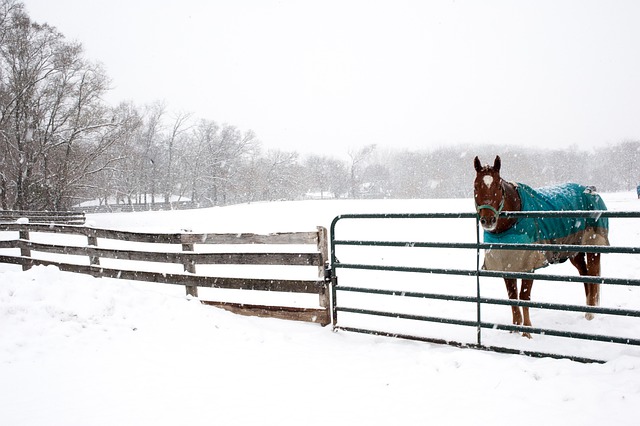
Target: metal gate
column 445, row 288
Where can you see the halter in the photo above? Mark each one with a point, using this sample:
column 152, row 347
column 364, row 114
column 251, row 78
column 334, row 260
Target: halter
column 493, row 209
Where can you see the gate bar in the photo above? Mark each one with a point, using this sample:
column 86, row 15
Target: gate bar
column 493, row 246
column 493, row 301
column 495, row 274
column 471, row 215
column 496, row 326
column 498, row 349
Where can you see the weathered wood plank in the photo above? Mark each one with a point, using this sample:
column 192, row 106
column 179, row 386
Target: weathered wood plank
column 287, row 286
column 13, row 260
column 46, row 220
column 169, row 238
column 46, row 228
column 28, row 213
column 275, row 238
column 8, row 244
column 284, row 259
column 139, row 237
column 315, row 315
column 43, row 216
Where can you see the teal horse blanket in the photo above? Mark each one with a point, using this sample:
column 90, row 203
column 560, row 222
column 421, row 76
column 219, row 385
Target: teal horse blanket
column 592, row 230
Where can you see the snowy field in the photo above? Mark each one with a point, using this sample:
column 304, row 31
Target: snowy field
column 75, row 350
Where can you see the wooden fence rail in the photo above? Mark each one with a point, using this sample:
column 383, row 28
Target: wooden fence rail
column 315, row 255
column 71, row 218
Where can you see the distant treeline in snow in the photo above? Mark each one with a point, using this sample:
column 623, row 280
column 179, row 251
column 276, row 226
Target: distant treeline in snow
column 60, row 144
column 371, row 173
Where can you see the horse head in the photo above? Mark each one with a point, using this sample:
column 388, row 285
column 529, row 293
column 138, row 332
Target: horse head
column 488, row 193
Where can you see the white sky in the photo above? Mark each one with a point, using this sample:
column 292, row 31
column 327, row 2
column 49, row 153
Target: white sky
column 322, row 76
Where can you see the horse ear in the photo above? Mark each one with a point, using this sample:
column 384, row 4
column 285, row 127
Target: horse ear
column 497, row 163
column 477, row 164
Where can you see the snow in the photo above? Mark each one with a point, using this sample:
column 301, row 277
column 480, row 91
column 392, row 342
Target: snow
column 75, row 350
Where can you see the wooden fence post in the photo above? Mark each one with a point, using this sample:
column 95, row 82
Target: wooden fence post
column 323, row 249
column 25, row 252
column 93, row 242
column 190, row 267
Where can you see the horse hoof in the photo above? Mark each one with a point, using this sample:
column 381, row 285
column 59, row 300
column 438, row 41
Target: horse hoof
column 589, row 316
column 527, row 335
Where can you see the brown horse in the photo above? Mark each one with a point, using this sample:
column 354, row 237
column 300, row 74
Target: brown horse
column 493, row 195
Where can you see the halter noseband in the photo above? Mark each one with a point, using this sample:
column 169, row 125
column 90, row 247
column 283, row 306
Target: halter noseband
column 493, row 209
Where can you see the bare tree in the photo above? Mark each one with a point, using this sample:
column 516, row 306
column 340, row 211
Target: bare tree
column 113, row 176
column 179, row 127
column 358, row 157
column 280, row 176
column 326, row 175
column 215, row 160
column 53, row 125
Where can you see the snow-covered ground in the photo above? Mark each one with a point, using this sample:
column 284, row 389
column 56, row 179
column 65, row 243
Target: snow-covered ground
column 75, row 350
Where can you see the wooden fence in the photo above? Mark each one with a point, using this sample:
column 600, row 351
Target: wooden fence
column 68, row 218
column 121, row 208
column 192, row 253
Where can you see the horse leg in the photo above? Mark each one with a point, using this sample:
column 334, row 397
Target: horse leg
column 525, row 294
column 589, row 267
column 592, row 290
column 512, row 292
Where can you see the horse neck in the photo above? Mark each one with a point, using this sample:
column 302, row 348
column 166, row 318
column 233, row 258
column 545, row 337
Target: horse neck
column 512, row 203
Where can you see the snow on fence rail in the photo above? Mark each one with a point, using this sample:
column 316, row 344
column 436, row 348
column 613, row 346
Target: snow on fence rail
column 69, row 218
column 65, row 257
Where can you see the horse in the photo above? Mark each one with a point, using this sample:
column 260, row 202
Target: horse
column 494, row 195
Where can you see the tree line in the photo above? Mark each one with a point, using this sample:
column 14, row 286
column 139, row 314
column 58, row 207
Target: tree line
column 61, row 144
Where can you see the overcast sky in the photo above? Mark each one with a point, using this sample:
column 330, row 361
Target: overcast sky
column 322, row 76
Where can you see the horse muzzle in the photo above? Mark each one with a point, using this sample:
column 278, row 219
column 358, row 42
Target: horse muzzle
column 489, row 222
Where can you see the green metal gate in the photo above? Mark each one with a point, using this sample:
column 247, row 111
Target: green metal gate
column 346, row 293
